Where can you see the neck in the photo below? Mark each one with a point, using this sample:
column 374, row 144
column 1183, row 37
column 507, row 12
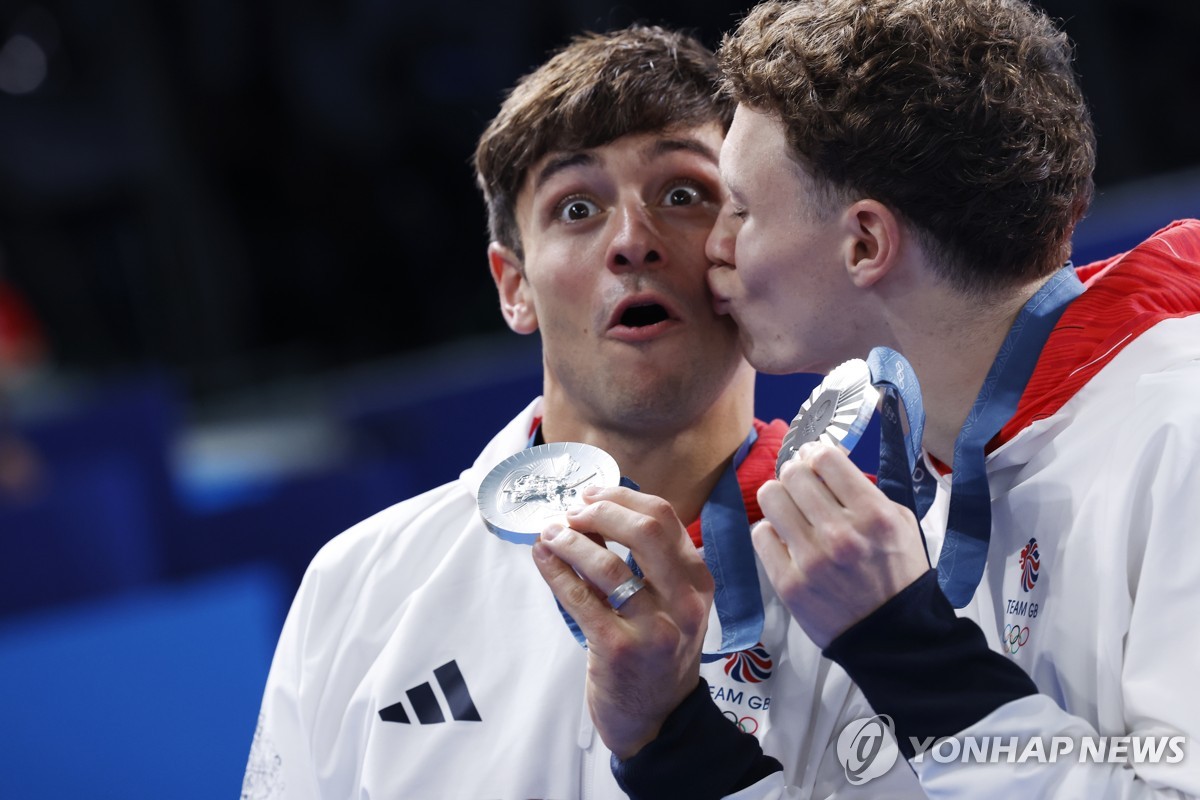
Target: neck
column 678, row 458
column 951, row 343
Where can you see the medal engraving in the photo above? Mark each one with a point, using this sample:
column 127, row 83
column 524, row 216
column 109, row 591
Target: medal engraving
column 526, row 491
column 837, row 411
column 813, row 424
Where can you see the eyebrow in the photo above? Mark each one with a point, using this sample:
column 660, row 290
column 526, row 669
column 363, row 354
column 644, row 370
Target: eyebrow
column 657, row 149
column 558, row 163
column 662, row 147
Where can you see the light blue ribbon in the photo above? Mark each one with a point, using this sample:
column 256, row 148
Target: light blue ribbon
column 969, row 523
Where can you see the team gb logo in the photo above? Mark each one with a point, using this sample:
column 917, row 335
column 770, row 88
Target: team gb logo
column 1030, row 563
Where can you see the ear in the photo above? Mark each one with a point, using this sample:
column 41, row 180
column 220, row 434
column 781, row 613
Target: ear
column 872, row 243
column 509, row 276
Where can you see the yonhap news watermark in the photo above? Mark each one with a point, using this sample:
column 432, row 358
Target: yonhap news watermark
column 867, row 749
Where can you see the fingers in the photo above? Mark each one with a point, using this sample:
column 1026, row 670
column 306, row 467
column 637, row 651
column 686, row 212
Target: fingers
column 820, row 497
column 642, row 659
column 831, row 466
column 581, row 573
column 843, row 477
column 615, row 512
column 775, row 556
column 833, row 545
column 645, row 524
column 810, row 516
column 576, row 596
column 780, row 507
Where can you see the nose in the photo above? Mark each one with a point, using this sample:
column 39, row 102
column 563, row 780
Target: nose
column 719, row 246
column 636, row 243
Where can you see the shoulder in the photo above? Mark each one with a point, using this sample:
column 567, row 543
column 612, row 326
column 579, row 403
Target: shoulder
column 1132, row 302
column 1134, row 420
column 383, row 559
column 400, row 526
column 386, row 557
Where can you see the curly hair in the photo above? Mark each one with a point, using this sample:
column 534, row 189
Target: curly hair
column 595, row 90
column 965, row 116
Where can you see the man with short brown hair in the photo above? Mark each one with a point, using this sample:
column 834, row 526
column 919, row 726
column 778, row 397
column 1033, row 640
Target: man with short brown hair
column 424, row 656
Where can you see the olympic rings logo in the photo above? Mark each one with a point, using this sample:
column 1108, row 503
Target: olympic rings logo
column 745, row 724
column 1015, row 637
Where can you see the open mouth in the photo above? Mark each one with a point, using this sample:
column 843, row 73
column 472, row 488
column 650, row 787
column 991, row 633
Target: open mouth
column 641, row 316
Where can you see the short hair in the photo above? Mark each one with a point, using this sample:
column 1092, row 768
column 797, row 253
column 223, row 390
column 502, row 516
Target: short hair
column 595, row 90
column 964, row 116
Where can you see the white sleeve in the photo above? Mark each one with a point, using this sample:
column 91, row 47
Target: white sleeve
column 1061, row 765
column 295, row 754
column 280, row 763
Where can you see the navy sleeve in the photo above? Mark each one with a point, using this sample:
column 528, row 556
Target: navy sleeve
column 698, row 754
column 928, row 669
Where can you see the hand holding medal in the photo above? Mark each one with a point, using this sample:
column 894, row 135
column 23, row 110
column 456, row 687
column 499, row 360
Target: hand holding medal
column 537, row 486
column 834, row 545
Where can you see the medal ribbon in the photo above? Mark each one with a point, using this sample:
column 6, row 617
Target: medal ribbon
column 729, row 555
column 900, row 453
column 969, row 523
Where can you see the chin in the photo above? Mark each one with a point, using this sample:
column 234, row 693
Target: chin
column 764, row 359
column 783, row 363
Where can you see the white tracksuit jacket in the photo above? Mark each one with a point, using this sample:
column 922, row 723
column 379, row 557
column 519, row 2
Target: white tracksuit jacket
column 423, row 657
column 1106, row 481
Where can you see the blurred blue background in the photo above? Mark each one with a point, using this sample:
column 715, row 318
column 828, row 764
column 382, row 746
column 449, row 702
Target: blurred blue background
column 244, row 304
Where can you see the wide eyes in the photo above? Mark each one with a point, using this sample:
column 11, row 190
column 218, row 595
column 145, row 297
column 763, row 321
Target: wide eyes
column 682, row 194
column 576, row 209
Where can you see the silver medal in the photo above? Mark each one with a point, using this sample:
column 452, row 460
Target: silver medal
column 837, row 411
column 526, row 491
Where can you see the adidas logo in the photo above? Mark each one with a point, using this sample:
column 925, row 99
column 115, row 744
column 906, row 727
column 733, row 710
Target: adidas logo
column 424, row 702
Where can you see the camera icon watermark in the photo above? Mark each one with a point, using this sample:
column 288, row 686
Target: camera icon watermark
column 867, row 748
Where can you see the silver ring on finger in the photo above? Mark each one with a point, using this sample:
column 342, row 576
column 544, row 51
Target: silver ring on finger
column 620, row 595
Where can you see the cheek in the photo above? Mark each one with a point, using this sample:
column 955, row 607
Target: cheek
column 562, row 272
column 695, row 230
column 774, row 265
column 756, row 267
column 568, row 307
column 691, row 251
